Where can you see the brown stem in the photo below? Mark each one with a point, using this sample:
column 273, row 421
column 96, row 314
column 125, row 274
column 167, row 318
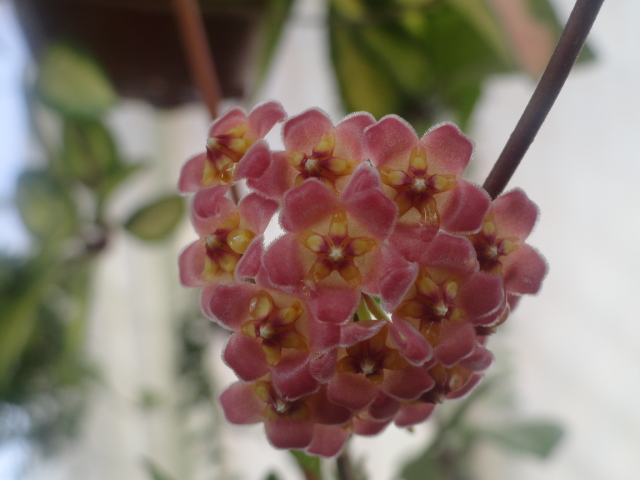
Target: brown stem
column 203, row 70
column 564, row 56
column 200, row 60
column 345, row 469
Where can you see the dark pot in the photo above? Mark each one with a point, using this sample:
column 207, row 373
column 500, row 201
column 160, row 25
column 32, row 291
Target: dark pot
column 138, row 44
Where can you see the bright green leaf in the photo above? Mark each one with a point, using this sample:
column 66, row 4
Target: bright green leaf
column 73, row 84
column 45, row 207
column 538, row 438
column 310, row 466
column 157, row 219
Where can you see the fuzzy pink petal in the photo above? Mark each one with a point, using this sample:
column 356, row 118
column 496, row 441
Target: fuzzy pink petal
column 397, row 277
column 241, row 405
column 479, row 360
column 413, row 413
column 390, row 139
column 191, row 174
column 306, row 205
column 448, row 149
column 324, row 336
column 303, row 132
column 276, row 179
column 383, row 407
column 410, row 240
column 251, row 261
column 191, row 265
column 291, row 377
column 356, row 332
column 367, row 427
column 283, row 264
column 244, row 355
column 287, row 433
column 230, row 119
column 326, row 412
column 333, row 305
column 524, row 270
column 472, row 383
column 328, row 441
column 411, row 344
column 254, row 162
column 351, row 390
column 369, row 205
column 406, row 384
column 465, row 208
column 350, row 137
column 456, row 342
column 363, row 179
column 257, row 211
column 264, row 116
column 228, row 305
column 451, row 252
column 322, row 365
column 515, row 214
column 209, row 208
column 481, row 295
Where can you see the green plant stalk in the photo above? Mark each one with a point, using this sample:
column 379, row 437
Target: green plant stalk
column 571, row 41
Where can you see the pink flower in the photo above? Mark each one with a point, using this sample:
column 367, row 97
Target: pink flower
column 423, row 177
column 234, row 148
column 450, row 298
column 288, row 424
column 314, row 148
column 227, row 233
column 501, row 248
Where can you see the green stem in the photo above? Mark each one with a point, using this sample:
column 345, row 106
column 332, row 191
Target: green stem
column 564, row 56
column 375, row 309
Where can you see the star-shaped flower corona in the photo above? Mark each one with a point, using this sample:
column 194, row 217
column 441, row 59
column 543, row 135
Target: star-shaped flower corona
column 234, row 149
column 377, row 301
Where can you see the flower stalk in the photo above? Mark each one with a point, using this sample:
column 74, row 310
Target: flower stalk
column 564, row 56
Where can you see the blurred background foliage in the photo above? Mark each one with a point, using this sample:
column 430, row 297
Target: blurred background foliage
column 425, row 60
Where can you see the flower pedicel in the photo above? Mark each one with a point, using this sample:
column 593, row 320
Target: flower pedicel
column 377, row 301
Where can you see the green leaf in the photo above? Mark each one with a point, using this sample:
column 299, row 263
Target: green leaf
column 45, row 207
column 154, row 471
column 310, row 466
column 278, row 12
column 73, row 84
column 363, row 84
column 425, row 466
column 272, row 476
column 90, row 152
column 538, row 438
column 156, row 220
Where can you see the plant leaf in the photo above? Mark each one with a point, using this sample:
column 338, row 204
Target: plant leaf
column 156, row 220
column 45, row 207
column 538, row 438
column 154, row 471
column 90, row 151
column 310, row 466
column 73, row 84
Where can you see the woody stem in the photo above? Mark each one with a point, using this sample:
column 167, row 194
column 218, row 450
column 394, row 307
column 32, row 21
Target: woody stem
column 199, row 58
column 564, row 56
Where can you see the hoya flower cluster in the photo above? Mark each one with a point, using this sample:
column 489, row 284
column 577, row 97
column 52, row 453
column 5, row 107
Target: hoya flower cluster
column 377, row 301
